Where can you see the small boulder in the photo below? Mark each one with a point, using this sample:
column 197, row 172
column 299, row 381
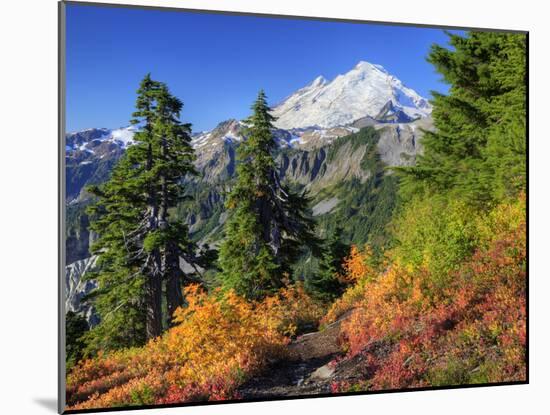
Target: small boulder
column 324, row 372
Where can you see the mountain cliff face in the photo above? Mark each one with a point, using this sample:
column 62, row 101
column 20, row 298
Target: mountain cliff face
column 334, row 140
column 305, row 162
column 320, row 170
column 76, row 288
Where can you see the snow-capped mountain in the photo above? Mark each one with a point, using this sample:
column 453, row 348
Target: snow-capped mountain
column 87, row 140
column 362, row 92
column 232, row 131
column 91, row 154
column 310, row 121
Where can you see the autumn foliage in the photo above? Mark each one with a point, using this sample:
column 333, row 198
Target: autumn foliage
column 219, row 341
column 358, row 270
column 412, row 333
column 405, row 328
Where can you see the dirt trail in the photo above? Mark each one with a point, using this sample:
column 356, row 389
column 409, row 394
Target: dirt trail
column 304, row 372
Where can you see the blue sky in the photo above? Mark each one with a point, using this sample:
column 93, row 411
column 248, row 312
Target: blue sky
column 217, row 63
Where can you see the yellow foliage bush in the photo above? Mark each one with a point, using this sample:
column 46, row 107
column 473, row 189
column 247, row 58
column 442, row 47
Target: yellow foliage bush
column 219, row 340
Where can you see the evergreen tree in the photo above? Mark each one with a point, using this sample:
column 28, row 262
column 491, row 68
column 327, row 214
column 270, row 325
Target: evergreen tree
column 269, row 226
column 120, row 298
column 325, row 284
column 172, row 160
column 478, row 150
column 75, row 328
column 139, row 245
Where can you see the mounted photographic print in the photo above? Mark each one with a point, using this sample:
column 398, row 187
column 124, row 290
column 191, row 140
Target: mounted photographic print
column 259, row 207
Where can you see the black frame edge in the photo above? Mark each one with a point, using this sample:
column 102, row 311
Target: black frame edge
column 61, row 89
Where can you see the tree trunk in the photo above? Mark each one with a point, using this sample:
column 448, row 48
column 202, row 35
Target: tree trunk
column 170, row 256
column 154, row 274
column 153, row 323
column 173, row 274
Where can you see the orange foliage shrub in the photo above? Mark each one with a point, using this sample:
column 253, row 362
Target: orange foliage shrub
column 219, row 341
column 357, row 271
column 357, row 265
column 474, row 333
column 292, row 309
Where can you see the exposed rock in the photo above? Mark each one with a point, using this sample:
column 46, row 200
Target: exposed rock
column 390, row 114
column 76, row 288
column 306, row 369
column 399, row 144
column 306, row 163
column 90, row 157
column 324, row 206
column 324, row 372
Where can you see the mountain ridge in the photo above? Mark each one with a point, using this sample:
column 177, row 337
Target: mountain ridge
column 367, row 91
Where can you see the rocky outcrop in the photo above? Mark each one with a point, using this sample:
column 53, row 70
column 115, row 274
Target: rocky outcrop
column 324, row 206
column 399, row 144
column 304, row 371
column 79, row 236
column 313, row 168
column 312, row 161
column 90, row 157
column 390, row 114
column 76, row 288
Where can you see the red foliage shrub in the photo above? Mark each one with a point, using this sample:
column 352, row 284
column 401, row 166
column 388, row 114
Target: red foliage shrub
column 474, row 331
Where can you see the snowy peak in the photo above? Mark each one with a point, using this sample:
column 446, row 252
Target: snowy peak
column 225, row 132
column 319, row 81
column 87, row 140
column 124, row 136
column 361, row 92
column 363, row 66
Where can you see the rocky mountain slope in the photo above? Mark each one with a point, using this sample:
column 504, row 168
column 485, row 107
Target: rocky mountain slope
column 91, row 154
column 308, row 119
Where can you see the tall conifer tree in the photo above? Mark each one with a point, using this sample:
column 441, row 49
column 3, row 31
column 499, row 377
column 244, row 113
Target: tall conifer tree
column 139, row 245
column 477, row 151
column 269, row 225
